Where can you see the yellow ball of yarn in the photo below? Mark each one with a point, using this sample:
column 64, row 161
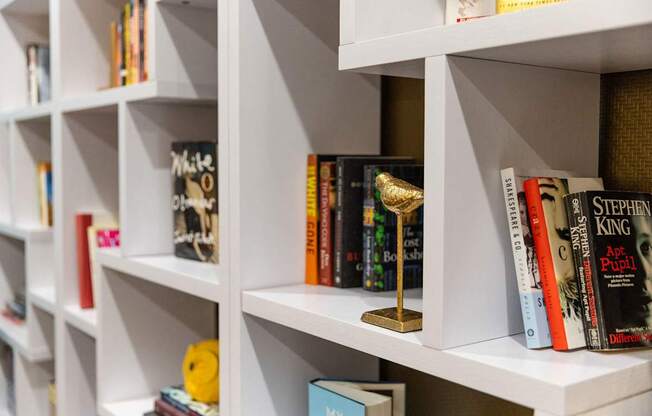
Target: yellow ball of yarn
column 201, row 371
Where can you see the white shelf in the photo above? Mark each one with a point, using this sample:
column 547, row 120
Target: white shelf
column 597, row 36
column 188, row 276
column 83, row 319
column 38, row 7
column 151, row 91
column 16, row 336
column 559, row 383
column 205, row 4
column 38, row 112
column 128, row 408
column 44, row 298
column 25, row 233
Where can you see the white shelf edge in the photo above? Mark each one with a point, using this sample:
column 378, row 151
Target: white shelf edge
column 84, row 320
column 25, row 233
column 28, row 113
column 43, row 298
column 194, row 278
column 136, row 407
column 545, row 380
column 16, row 337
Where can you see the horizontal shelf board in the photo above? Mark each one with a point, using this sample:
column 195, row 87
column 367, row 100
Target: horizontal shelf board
column 37, row 7
column 151, row 91
column 40, row 112
column 25, row 233
column 204, row 4
column 43, row 298
column 16, row 336
column 83, row 319
column 128, row 408
column 188, row 276
column 559, row 383
column 597, row 36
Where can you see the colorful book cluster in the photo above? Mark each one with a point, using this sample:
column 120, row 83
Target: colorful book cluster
column 93, row 231
column 38, row 73
column 582, row 260
column 129, row 48
column 355, row 398
column 15, row 309
column 194, row 201
column 175, row 401
column 350, row 237
column 463, row 10
column 44, row 175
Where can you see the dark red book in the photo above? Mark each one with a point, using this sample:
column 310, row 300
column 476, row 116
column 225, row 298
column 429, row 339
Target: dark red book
column 166, row 409
column 82, row 222
column 327, row 198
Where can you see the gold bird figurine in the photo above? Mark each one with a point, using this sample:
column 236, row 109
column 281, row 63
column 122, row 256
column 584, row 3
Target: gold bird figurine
column 397, row 195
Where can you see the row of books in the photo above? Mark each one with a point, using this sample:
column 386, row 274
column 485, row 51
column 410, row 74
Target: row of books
column 38, row 73
column 463, row 10
column 355, row 398
column 350, row 236
column 129, row 47
column 583, row 260
column 175, row 401
column 93, row 231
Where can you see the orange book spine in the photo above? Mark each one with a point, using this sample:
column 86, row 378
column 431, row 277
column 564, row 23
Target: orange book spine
column 546, row 266
column 145, row 42
column 113, row 30
column 127, row 42
column 312, row 222
column 135, row 42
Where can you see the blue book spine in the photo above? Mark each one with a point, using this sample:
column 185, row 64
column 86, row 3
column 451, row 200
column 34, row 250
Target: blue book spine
column 322, row 402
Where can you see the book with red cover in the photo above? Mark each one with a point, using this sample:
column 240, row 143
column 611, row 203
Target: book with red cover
column 550, row 229
column 327, row 201
column 82, row 222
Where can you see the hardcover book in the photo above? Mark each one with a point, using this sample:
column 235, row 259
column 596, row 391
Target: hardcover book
column 379, row 233
column 348, row 398
column 194, row 201
column 547, row 212
column 611, row 234
column 462, row 10
column 348, row 225
column 327, row 203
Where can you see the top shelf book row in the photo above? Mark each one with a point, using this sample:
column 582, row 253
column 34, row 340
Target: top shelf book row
column 597, row 36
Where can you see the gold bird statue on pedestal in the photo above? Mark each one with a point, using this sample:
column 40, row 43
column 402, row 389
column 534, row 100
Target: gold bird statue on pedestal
column 400, row 198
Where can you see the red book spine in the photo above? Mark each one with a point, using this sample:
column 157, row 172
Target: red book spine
column 326, row 178
column 83, row 221
column 166, row 409
column 312, row 222
column 546, row 266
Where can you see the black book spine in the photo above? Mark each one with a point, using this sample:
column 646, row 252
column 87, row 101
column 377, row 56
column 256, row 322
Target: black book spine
column 339, row 226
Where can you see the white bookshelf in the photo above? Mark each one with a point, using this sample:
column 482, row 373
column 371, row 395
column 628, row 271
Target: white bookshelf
column 262, row 79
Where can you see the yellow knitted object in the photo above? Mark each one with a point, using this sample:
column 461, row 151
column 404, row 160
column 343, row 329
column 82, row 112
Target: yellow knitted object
column 201, row 371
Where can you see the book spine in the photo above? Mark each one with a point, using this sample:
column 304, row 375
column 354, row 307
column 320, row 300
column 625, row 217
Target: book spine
column 326, row 175
column 135, row 41
column 113, row 33
column 312, row 221
column 32, row 81
column 165, row 409
column 546, row 266
column 368, row 227
column 339, row 226
column 126, row 27
column 145, row 41
column 141, row 40
column 535, row 319
column 83, row 221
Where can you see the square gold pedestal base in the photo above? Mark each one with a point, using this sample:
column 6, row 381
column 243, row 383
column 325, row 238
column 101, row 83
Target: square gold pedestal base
column 388, row 318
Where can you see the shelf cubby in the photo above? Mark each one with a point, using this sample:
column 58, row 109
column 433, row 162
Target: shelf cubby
column 77, row 367
column 135, row 358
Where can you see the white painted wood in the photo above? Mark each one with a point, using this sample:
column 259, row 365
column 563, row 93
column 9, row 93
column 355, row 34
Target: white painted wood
column 136, row 358
column 31, row 384
column 194, row 278
column 76, row 372
column 43, row 298
column 147, row 132
column 382, row 18
column 587, row 35
column 347, row 22
column 24, row 234
column 137, row 407
column 84, row 320
column 483, row 116
column 205, row 4
column 38, row 7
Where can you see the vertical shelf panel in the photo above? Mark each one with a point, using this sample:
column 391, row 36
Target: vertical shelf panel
column 78, row 372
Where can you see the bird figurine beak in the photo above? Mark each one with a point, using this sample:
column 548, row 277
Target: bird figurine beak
column 401, row 198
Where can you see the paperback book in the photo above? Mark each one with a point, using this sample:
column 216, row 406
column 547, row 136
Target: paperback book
column 611, row 234
column 194, row 200
column 178, row 398
column 350, row 398
column 379, row 233
column 535, row 319
column 547, row 212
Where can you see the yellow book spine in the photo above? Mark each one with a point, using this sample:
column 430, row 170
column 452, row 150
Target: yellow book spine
column 507, row 6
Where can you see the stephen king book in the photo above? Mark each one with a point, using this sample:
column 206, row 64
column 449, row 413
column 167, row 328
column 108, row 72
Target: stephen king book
column 379, row 233
column 194, row 200
column 348, row 225
column 611, row 235
column 547, row 212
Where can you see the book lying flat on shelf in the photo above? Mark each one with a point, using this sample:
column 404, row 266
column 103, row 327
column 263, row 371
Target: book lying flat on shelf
column 194, row 201
column 535, row 319
column 547, row 212
column 379, row 233
column 180, row 400
column 350, row 398
column 462, row 10
column 611, row 234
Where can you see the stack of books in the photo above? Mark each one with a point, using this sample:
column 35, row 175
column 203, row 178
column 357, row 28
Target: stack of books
column 583, row 260
column 350, row 236
column 129, row 51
